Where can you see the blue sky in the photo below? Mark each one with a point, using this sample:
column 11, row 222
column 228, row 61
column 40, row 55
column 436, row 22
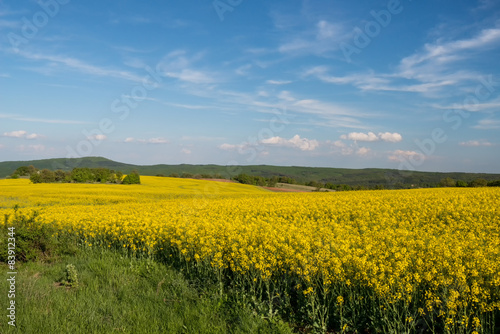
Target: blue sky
column 390, row 84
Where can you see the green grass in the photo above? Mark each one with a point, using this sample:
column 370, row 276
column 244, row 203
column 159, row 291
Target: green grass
column 119, row 294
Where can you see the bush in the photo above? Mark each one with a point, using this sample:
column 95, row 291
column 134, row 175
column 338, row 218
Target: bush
column 34, row 241
column 132, row 178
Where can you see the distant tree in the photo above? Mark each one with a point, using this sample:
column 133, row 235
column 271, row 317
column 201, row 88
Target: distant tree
column 494, row 183
column 25, row 170
column 61, row 176
column 35, row 178
column 43, row 176
column 271, row 182
column 186, row 175
column 286, row 179
column 461, row 183
column 174, row 175
column 14, row 176
column 447, row 182
column 132, row 178
column 101, row 174
column 478, row 183
column 82, row 175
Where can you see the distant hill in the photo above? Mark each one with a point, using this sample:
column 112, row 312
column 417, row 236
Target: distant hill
column 365, row 177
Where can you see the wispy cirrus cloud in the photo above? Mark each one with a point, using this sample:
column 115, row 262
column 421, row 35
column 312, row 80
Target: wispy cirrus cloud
column 40, row 120
column 476, row 143
column 319, row 39
column 487, row 124
column 177, row 64
column 425, row 71
column 65, row 62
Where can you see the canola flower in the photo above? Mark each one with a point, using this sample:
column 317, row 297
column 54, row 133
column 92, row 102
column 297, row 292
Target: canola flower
column 426, row 258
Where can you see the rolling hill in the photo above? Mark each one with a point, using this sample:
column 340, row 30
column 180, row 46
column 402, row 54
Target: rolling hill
column 365, row 177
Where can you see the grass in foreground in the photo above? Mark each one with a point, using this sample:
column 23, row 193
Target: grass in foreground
column 117, row 294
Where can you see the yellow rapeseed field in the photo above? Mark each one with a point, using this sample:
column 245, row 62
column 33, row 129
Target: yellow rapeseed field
column 406, row 259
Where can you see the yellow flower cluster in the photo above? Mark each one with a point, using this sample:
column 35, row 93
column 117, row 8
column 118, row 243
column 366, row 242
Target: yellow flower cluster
column 438, row 248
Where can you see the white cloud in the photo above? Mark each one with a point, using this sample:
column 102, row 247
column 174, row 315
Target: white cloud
column 229, row 147
column 475, row 143
column 21, row 134
column 359, row 136
column 33, row 136
column 97, row 137
column 390, row 137
column 278, row 82
column 363, row 151
column 186, row 151
column 296, row 141
column 15, row 134
column 400, row 155
column 157, row 140
column 371, row 137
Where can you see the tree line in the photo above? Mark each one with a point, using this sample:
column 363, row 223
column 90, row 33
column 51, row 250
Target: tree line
column 449, row 182
column 77, row 175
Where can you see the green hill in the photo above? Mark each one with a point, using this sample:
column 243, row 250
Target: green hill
column 365, row 177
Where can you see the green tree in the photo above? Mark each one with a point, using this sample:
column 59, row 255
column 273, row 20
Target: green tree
column 461, row 183
column 132, row 178
column 478, row 183
column 60, row 176
column 447, row 182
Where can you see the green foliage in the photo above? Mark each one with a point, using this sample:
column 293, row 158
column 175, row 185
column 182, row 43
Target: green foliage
column 447, row 182
column 25, row 170
column 461, row 183
column 494, row 184
column 71, row 278
column 132, row 178
column 478, row 183
column 32, row 241
column 82, row 175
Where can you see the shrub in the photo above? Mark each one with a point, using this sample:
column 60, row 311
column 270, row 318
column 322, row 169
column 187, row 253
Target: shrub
column 132, row 178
